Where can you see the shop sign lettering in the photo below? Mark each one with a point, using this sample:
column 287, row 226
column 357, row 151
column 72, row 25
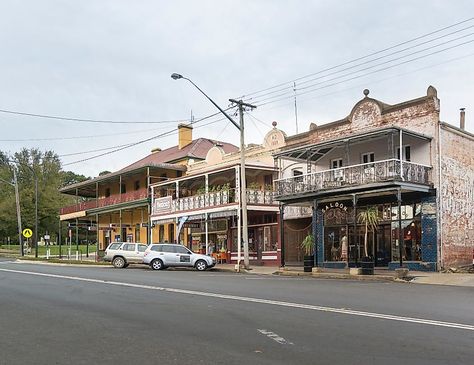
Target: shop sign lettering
column 162, row 205
column 334, row 206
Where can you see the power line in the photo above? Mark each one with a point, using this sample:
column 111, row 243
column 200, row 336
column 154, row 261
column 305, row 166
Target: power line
column 255, row 124
column 120, row 148
column 375, row 65
column 360, row 58
column 90, row 151
column 291, row 88
column 79, row 137
column 377, row 81
column 366, row 74
column 86, row 120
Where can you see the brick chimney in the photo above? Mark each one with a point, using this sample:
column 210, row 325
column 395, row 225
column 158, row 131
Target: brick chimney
column 185, row 135
column 462, row 121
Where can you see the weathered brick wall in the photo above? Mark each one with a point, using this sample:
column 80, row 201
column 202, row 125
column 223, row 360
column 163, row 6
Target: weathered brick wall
column 457, row 197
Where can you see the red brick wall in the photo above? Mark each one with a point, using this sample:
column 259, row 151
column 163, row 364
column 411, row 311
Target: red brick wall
column 457, row 197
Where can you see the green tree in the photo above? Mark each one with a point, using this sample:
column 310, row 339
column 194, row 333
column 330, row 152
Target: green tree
column 370, row 218
column 47, row 167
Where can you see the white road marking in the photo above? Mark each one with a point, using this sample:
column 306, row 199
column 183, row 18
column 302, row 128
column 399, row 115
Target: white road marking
column 275, row 337
column 318, row 308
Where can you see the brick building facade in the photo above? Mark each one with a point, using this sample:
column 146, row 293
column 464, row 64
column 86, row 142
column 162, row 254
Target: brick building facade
column 400, row 160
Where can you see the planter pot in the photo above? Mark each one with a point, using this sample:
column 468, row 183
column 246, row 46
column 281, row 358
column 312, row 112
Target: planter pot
column 367, row 266
column 401, row 273
column 308, row 263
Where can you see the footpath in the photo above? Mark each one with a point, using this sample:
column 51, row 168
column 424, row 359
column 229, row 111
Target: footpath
column 416, row 277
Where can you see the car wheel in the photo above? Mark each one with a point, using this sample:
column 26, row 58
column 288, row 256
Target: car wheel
column 157, row 264
column 119, row 262
column 201, row 265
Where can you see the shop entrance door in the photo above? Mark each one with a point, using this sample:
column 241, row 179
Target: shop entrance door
column 382, row 241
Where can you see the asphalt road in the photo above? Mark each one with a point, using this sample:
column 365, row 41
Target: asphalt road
column 88, row 315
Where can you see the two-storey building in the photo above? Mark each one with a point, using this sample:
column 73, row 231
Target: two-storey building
column 399, row 160
column 204, row 204
column 117, row 205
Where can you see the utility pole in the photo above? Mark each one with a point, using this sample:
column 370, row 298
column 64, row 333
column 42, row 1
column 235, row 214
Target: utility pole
column 243, row 189
column 18, row 212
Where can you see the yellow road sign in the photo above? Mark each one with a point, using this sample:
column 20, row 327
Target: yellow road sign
column 27, row 233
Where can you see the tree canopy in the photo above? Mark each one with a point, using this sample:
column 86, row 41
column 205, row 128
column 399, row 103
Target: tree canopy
column 47, row 167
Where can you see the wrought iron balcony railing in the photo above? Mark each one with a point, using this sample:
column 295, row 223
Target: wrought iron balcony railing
column 354, row 175
column 105, row 202
column 214, row 199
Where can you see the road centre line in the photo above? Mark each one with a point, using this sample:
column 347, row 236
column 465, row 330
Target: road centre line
column 318, row 308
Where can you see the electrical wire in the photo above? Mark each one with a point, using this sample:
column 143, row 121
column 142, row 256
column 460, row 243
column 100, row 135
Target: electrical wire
column 366, row 74
column 86, row 120
column 91, row 151
column 291, row 88
column 359, row 58
column 120, row 148
column 80, row 137
column 305, row 99
column 252, row 119
column 368, row 68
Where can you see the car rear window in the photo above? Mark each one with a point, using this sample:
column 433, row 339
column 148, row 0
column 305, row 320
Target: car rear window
column 141, row 248
column 114, row 246
column 158, row 248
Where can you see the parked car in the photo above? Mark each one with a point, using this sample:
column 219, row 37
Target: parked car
column 121, row 254
column 162, row 255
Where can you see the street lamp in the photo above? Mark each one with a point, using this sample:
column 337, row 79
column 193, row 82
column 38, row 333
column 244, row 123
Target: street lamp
column 243, row 190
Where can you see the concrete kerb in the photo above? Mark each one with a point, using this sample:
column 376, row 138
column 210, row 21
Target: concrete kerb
column 40, row 262
column 262, row 270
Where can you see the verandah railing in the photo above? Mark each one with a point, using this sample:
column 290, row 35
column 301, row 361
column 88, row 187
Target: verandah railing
column 354, row 175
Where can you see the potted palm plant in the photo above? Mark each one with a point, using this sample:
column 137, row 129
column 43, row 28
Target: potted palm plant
column 307, row 246
column 370, row 218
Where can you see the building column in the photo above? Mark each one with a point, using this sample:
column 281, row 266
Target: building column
column 401, row 155
column 59, row 238
column 77, row 236
column 207, row 233
column 400, row 232
column 120, row 224
column 314, row 224
column 354, row 233
column 281, row 223
column 98, row 238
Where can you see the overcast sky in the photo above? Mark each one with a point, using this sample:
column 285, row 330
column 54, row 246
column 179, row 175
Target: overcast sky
column 112, row 60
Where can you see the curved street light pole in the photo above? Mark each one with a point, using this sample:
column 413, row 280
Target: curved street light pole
column 243, row 190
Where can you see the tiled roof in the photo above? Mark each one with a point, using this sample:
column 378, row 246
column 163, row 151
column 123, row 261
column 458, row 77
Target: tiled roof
column 162, row 159
column 196, row 149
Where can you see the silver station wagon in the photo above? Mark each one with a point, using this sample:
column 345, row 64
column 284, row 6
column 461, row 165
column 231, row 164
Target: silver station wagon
column 121, row 254
column 162, row 255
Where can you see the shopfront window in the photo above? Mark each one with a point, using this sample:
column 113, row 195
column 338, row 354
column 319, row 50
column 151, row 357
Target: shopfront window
column 344, row 241
column 335, row 244
column 411, row 235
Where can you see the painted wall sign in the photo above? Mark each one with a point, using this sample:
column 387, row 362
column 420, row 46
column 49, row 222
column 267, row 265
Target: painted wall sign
column 162, row 205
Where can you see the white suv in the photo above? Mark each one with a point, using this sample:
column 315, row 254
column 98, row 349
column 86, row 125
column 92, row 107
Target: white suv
column 121, row 254
column 162, row 255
